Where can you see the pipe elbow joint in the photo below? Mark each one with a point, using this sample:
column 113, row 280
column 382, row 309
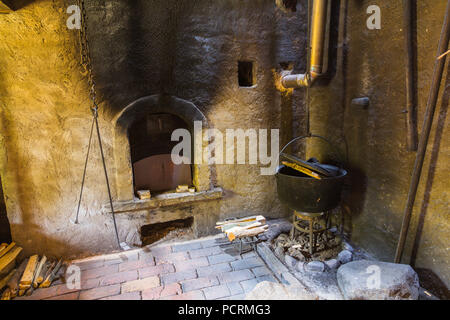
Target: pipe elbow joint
column 304, row 80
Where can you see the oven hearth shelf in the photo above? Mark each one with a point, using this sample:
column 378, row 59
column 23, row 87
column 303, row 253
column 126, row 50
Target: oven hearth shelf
column 163, row 200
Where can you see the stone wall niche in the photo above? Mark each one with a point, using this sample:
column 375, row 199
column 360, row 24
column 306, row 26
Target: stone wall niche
column 140, row 109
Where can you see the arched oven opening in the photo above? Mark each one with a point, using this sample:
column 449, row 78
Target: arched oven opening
column 150, row 148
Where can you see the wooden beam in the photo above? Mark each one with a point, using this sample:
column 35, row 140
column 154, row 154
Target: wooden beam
column 5, row 8
column 8, row 262
column 28, row 275
column 5, row 280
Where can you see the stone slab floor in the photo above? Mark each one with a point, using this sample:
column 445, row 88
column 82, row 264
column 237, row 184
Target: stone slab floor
column 199, row 269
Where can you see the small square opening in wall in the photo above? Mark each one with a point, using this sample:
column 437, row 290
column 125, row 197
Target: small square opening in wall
column 246, row 74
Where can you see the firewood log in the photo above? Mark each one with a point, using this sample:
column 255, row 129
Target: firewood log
column 229, row 226
column 8, row 261
column 43, row 274
column 48, row 281
column 5, row 280
column 7, row 249
column 3, row 246
column 38, row 271
column 247, row 232
column 238, row 228
column 6, row 294
column 49, row 270
column 182, row 188
column 28, row 275
column 13, row 283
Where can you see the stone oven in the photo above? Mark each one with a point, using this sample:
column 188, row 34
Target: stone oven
column 143, row 146
column 142, row 153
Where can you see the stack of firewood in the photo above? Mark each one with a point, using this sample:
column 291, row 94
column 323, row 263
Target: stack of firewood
column 242, row 228
column 32, row 273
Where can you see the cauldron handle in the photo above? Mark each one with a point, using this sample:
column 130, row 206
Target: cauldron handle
column 315, row 136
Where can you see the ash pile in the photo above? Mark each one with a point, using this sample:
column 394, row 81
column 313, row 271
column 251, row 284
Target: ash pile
column 327, row 246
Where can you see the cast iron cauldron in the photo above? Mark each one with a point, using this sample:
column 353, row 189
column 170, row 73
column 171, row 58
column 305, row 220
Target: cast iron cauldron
column 305, row 194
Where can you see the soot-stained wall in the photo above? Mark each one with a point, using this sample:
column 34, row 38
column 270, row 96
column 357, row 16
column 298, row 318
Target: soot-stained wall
column 371, row 63
column 188, row 50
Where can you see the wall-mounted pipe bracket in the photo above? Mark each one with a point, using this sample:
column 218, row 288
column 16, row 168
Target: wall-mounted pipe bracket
column 363, row 102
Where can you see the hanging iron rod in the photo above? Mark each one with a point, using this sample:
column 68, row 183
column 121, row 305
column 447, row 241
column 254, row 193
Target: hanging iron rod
column 411, row 123
column 426, row 128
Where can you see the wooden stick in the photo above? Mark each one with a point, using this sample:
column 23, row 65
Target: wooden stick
column 246, row 219
column 230, row 226
column 48, row 281
column 8, row 261
column 307, row 165
column 49, row 270
column 6, row 294
column 301, row 169
column 43, row 274
column 27, row 277
column 13, row 283
column 38, row 271
column 3, row 246
column 7, row 249
column 247, row 233
column 29, row 291
column 48, row 273
column 239, row 228
column 5, row 280
column 443, row 55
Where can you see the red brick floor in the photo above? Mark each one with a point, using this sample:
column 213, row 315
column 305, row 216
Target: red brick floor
column 192, row 270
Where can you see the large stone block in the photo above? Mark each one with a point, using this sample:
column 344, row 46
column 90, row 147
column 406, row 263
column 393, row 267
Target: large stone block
column 275, row 291
column 375, row 280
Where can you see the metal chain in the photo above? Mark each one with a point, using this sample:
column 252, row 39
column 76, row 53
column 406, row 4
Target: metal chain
column 85, row 54
column 87, row 65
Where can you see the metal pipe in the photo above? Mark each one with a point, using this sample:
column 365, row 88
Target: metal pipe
column 411, row 124
column 426, row 128
column 317, row 39
column 319, row 25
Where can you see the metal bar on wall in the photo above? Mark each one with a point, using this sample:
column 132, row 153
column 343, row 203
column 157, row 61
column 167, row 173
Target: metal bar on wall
column 425, row 134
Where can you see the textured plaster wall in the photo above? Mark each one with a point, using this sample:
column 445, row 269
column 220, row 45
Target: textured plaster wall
column 190, row 49
column 186, row 49
column 371, row 63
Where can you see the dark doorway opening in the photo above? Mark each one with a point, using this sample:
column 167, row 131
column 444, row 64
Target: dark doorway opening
column 151, row 147
column 5, row 230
